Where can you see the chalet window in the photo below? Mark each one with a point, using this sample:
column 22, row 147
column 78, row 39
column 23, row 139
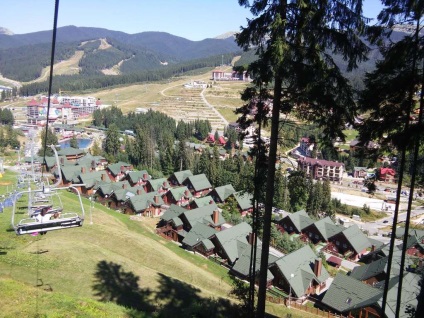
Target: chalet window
column 345, row 245
column 337, row 243
column 291, row 228
column 310, row 234
column 316, row 236
column 285, row 226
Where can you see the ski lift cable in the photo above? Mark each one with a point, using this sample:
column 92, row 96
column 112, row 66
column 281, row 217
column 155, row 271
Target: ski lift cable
column 56, row 13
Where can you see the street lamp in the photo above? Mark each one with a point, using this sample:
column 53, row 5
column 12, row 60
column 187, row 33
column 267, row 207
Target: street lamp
column 91, row 209
column 291, row 276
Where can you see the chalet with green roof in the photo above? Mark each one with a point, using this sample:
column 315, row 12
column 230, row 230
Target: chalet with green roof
column 71, row 173
column 209, row 215
column 351, row 243
column 198, row 185
column 138, row 178
column 94, row 162
column 92, row 180
column 118, row 171
column 147, row 204
column 180, row 196
column 160, row 186
column 200, row 202
column 349, row 296
column 176, row 179
column 244, row 202
column 226, row 241
column 302, row 270
column 220, row 194
column 71, row 154
column 105, row 190
column 242, row 264
column 295, row 223
column 199, row 239
column 321, row 230
column 119, row 197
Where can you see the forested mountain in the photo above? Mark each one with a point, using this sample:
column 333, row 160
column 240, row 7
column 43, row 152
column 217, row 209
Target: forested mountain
column 23, row 56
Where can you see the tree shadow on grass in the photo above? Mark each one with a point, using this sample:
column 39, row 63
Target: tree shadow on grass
column 114, row 284
column 179, row 299
column 174, row 298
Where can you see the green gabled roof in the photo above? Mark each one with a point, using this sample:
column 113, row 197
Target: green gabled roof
column 199, row 182
column 115, row 168
column 347, row 293
column 156, row 183
column 327, row 228
column 90, row 179
column 142, row 201
column 377, row 243
column 229, row 239
column 200, row 202
column 224, row 192
column 410, row 291
column 173, row 211
column 419, row 234
column 300, row 263
column 356, row 238
column 177, row 221
column 182, row 175
column 178, row 193
column 70, row 152
column 198, row 233
column 108, row 188
column 372, row 269
column 300, row 219
column 134, row 176
column 71, row 173
column 207, row 243
column 244, row 200
column 49, row 161
column 243, row 262
column 204, row 215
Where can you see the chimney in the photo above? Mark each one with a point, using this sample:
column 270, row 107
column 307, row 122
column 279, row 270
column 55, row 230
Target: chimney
column 123, row 169
column 164, row 185
column 124, row 186
column 318, row 267
column 251, row 238
column 82, row 169
column 139, row 191
column 186, row 193
column 145, row 176
column 215, row 216
column 211, row 202
column 62, row 161
column 156, row 198
column 104, row 176
column 372, row 248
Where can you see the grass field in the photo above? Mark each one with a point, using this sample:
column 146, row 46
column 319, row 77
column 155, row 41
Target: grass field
column 115, row 255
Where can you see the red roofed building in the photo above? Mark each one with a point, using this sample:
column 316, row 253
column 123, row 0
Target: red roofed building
column 221, row 141
column 321, row 169
column 386, row 174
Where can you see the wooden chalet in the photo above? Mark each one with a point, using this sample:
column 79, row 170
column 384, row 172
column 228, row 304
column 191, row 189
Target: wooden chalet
column 321, row 230
column 177, row 178
column 244, row 202
column 147, row 204
column 199, row 239
column 201, row 202
column 118, row 171
column 138, row 178
column 220, row 194
column 160, row 186
column 91, row 181
column 301, row 272
column 71, row 154
column 295, row 223
column 119, row 197
column 180, row 196
column 198, row 185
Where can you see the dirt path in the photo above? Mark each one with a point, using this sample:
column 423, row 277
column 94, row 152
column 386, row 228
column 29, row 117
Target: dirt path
column 10, row 81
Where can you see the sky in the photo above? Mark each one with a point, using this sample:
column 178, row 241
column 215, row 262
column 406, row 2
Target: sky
column 192, row 19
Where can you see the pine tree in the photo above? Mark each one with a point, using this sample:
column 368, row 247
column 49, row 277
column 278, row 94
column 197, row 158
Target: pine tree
column 292, row 39
column 112, row 143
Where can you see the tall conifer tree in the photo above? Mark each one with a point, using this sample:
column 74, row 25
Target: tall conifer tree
column 294, row 38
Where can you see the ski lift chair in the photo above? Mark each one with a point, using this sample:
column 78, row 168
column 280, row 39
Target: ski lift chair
column 66, row 219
